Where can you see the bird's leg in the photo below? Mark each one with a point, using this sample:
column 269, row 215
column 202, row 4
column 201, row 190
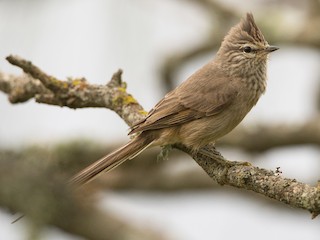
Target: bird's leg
column 164, row 153
column 211, row 152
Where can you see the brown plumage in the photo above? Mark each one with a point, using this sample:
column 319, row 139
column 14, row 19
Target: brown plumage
column 205, row 107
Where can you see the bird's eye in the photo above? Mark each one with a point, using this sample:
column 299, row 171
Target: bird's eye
column 247, row 49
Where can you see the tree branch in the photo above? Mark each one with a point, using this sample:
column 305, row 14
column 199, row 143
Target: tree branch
column 265, row 182
column 241, row 175
column 37, row 189
column 73, row 93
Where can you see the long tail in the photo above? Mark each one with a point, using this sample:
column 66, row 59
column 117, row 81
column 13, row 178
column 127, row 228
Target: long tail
column 114, row 159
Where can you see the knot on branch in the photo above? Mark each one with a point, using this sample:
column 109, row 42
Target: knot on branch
column 120, row 97
column 116, row 80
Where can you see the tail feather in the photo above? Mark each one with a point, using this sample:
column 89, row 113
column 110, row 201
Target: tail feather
column 111, row 161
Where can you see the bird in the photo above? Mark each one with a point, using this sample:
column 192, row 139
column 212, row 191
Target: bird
column 205, row 107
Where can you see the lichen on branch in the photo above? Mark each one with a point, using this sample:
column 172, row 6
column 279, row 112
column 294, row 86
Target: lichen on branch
column 78, row 93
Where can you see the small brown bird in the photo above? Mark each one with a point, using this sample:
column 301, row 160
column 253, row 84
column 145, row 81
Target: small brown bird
column 208, row 105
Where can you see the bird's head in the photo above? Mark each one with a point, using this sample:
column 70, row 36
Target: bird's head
column 245, row 46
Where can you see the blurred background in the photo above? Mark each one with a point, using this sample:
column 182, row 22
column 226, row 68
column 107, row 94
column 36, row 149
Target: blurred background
column 158, row 44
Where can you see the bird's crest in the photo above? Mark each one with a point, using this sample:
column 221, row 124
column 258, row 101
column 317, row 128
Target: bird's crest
column 249, row 26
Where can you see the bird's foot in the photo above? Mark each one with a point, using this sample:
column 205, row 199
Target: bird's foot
column 164, row 153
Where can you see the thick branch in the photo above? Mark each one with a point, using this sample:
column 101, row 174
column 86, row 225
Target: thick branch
column 262, row 181
column 21, row 88
column 265, row 182
column 73, row 93
column 37, row 189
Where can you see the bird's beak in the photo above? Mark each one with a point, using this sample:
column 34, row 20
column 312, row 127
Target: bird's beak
column 270, row 49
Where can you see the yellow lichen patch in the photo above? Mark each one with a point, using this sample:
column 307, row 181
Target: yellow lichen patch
column 60, row 84
column 79, row 82
column 65, row 84
column 124, row 85
column 121, row 89
column 129, row 99
column 143, row 112
column 76, row 82
column 124, row 98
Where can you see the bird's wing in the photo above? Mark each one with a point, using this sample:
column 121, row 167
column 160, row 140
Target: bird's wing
column 200, row 96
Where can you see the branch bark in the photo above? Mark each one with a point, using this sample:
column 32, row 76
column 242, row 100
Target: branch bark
column 72, row 93
column 265, row 182
column 225, row 172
